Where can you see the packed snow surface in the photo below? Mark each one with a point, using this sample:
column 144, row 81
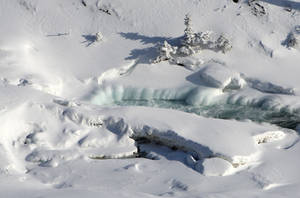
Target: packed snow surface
column 85, row 111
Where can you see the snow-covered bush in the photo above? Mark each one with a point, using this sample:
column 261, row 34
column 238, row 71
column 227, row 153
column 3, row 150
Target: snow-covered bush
column 195, row 42
column 223, row 44
column 99, row 37
column 293, row 38
column 192, row 43
column 203, row 38
column 166, row 51
column 185, row 51
column 257, row 8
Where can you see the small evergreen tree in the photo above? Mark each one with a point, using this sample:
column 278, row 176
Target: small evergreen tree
column 189, row 34
column 192, row 43
column 165, row 52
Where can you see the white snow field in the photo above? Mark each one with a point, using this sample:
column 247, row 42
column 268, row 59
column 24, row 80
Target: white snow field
column 85, row 111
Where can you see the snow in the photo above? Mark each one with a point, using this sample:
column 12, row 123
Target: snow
column 213, row 167
column 68, row 131
column 219, row 76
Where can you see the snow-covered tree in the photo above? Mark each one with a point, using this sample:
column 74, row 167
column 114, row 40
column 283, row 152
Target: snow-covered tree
column 186, row 50
column 204, row 40
column 192, row 43
column 99, row 37
column 257, row 8
column 223, row 44
column 166, row 51
column 291, row 40
column 189, row 34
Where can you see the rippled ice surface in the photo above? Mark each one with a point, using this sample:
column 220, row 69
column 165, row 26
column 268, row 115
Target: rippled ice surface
column 281, row 118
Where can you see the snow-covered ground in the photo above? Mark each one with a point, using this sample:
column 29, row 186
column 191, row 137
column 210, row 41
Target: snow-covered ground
column 88, row 118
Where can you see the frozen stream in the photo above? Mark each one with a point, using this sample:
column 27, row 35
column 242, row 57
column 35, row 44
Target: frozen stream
column 281, row 118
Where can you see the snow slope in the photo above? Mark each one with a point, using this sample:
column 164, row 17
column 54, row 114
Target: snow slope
column 67, row 129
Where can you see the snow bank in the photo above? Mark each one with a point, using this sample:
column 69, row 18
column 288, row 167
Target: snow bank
column 220, row 76
column 214, row 167
column 51, row 132
column 201, row 95
column 195, row 134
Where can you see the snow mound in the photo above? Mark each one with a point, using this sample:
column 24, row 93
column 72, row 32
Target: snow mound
column 268, row 87
column 214, row 167
column 194, row 134
column 220, row 76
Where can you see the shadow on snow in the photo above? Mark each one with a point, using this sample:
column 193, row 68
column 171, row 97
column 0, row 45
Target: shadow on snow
column 89, row 39
column 148, row 54
column 284, row 3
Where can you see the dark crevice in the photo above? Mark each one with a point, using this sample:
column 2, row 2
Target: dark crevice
column 83, row 3
column 106, row 11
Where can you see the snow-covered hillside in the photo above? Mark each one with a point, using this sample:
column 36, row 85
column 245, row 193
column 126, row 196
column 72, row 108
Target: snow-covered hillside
column 123, row 98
